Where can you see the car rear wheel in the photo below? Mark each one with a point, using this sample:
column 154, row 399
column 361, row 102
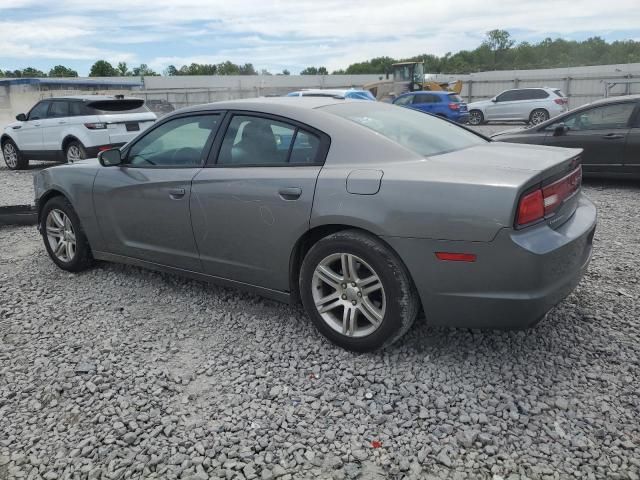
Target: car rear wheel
column 476, row 117
column 63, row 236
column 13, row 157
column 538, row 116
column 357, row 291
column 75, row 151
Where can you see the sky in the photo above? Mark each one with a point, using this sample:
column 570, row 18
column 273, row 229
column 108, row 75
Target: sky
column 283, row 34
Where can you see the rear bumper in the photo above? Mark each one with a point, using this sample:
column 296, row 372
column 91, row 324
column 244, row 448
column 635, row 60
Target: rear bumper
column 516, row 280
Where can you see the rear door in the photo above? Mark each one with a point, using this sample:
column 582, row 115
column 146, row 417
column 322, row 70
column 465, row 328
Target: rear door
column 54, row 125
column 426, row 102
column 142, row 206
column 29, row 136
column 254, row 201
column 632, row 147
column 601, row 131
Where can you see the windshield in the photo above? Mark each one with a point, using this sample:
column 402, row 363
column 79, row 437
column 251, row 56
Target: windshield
column 420, row 132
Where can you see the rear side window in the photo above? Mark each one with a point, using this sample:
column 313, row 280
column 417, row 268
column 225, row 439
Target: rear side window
column 59, row 109
column 255, row 141
column 39, row 111
column 177, row 143
column 426, row 98
column 535, row 94
column 406, row 100
column 423, row 134
column 76, row 109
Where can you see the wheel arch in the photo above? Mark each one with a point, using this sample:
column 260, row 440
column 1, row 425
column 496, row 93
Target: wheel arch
column 313, row 236
column 4, row 137
column 68, row 139
column 45, row 197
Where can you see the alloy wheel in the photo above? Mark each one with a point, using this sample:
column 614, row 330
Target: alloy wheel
column 538, row 117
column 10, row 155
column 60, row 235
column 74, row 154
column 475, row 118
column 348, row 295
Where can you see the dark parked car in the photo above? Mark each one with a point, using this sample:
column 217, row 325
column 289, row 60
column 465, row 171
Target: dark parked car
column 608, row 130
column 443, row 104
column 365, row 211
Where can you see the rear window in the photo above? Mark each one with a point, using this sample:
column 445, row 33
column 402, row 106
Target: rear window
column 424, row 134
column 106, row 107
column 559, row 93
column 453, row 98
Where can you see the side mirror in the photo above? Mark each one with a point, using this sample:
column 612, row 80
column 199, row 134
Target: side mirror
column 110, row 158
column 21, row 117
column 560, row 129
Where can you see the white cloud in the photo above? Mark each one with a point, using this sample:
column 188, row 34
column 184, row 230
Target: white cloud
column 288, row 33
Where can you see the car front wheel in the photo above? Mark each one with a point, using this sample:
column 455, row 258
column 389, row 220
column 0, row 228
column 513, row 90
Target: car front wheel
column 357, row 291
column 63, row 236
column 14, row 159
column 476, row 117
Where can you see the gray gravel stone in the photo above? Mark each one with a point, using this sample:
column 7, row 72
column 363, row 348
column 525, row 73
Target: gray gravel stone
column 179, row 379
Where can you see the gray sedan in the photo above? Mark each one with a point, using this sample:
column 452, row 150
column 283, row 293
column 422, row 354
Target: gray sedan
column 365, row 212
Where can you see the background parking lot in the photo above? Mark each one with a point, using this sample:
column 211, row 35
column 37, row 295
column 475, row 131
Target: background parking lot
column 124, row 373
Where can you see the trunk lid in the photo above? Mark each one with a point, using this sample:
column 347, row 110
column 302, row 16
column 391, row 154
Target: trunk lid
column 519, row 166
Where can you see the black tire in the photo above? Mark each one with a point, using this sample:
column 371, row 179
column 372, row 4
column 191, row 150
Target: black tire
column 18, row 161
column 476, row 117
column 82, row 258
column 73, row 147
column 538, row 116
column 402, row 302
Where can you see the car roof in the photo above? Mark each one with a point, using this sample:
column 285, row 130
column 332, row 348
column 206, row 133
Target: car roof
column 92, row 98
column 618, row 98
column 437, row 92
column 258, row 103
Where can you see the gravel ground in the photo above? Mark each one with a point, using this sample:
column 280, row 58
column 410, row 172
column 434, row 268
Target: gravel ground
column 122, row 373
column 16, row 187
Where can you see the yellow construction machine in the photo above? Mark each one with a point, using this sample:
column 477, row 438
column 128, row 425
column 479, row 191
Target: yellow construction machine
column 408, row 77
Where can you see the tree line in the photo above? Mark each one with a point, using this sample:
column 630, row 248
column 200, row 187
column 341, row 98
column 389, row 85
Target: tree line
column 498, row 51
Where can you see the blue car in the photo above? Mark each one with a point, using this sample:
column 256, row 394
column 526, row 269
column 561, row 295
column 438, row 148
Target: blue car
column 443, row 104
column 351, row 93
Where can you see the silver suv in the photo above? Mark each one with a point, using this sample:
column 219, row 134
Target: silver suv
column 531, row 105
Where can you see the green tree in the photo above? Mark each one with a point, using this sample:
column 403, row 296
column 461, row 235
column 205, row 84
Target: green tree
column 498, row 41
column 102, row 68
column 62, row 71
column 33, row 72
column 171, row 71
column 309, row 71
column 123, row 69
column 143, row 71
column 285, row 72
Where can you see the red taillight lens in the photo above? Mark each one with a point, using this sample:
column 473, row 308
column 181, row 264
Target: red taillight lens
column 96, row 126
column 531, row 208
column 561, row 101
column 546, row 200
column 454, row 106
column 559, row 191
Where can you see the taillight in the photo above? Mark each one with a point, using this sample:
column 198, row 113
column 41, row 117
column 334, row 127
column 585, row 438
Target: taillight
column 561, row 101
column 545, row 201
column 96, row 126
column 531, row 208
column 454, row 106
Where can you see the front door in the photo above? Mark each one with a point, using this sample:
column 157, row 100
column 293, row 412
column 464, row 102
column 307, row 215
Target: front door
column 253, row 204
column 502, row 108
column 142, row 206
column 30, row 134
column 602, row 133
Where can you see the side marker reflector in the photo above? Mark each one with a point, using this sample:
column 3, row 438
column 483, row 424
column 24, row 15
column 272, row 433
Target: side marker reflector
column 456, row 257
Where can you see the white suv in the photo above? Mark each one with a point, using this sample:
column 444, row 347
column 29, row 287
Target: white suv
column 73, row 128
column 531, row 105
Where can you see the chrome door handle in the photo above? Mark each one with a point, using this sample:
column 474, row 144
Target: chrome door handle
column 176, row 193
column 290, row 193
